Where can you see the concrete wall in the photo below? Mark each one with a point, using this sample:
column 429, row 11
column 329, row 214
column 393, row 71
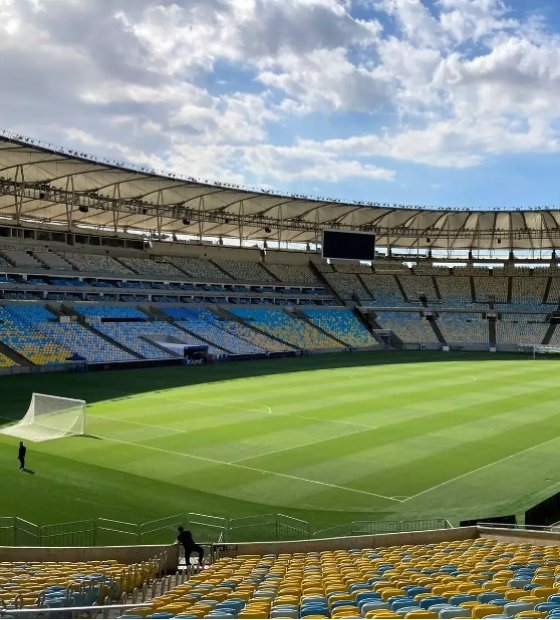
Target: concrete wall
column 124, row 555
column 350, row 542
column 521, row 536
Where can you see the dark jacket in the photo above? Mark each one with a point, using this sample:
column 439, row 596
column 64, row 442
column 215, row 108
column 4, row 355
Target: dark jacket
column 186, row 539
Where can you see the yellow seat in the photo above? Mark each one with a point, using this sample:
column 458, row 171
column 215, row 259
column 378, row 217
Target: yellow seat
column 480, row 611
column 389, row 592
column 543, row 592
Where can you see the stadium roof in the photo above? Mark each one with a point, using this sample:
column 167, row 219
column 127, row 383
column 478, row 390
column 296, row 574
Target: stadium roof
column 44, row 185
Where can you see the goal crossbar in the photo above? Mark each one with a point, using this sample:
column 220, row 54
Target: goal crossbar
column 50, row 417
column 540, row 349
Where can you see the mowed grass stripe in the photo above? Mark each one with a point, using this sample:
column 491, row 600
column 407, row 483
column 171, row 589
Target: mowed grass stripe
column 300, row 473
column 338, row 402
column 243, row 472
column 397, row 431
column 179, row 436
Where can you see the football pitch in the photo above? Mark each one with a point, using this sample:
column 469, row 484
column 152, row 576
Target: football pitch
column 328, row 439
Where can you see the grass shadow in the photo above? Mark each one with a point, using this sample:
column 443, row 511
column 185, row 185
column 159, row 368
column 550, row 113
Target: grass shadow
column 94, row 387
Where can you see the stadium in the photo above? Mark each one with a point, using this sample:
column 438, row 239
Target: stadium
column 354, row 407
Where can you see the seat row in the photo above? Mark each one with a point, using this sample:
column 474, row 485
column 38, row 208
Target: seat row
column 458, row 579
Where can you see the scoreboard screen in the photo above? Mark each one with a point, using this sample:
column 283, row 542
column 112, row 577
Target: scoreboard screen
column 348, row 245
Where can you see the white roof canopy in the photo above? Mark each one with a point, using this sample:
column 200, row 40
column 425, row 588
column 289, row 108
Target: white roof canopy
column 45, row 185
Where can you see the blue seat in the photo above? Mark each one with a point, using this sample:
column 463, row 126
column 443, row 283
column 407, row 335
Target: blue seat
column 403, row 602
column 486, row 597
column 341, row 603
column 432, row 600
column 458, row 599
column 367, row 596
column 414, row 591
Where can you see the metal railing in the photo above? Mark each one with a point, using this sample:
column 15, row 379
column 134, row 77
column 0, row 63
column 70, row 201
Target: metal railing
column 110, row 532
column 73, row 534
column 368, row 528
column 522, row 527
column 208, row 529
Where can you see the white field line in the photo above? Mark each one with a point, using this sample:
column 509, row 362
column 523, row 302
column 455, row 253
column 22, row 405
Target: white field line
column 179, row 431
column 175, row 431
column 473, row 379
column 296, row 447
column 248, row 468
column 474, row 471
column 244, row 409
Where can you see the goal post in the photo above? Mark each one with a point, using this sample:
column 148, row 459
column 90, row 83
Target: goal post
column 540, row 349
column 50, row 417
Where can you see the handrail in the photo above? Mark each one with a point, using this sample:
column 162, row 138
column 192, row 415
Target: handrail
column 38, row 612
column 522, row 527
column 274, row 526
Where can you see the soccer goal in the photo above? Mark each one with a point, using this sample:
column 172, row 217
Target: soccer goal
column 50, row 417
column 540, row 349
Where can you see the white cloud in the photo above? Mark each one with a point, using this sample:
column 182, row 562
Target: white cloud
column 309, row 161
column 326, row 80
column 212, row 88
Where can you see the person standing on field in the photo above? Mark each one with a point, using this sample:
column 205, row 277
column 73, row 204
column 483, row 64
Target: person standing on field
column 21, row 455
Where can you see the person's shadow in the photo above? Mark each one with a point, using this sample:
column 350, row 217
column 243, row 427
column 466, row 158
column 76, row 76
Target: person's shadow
column 28, row 471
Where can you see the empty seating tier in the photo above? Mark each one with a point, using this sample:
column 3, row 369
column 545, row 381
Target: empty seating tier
column 148, row 267
column 460, row 579
column 463, row 328
column 293, row 274
column 95, row 263
column 409, row 327
column 348, row 286
column 528, row 291
column 351, row 268
column 343, row 325
column 245, row 270
column 521, row 329
column 384, row 289
column 139, row 337
column 84, row 342
column 6, row 362
column 486, row 288
column 18, row 332
column 200, row 268
column 416, row 287
column 455, row 291
column 206, row 325
column 257, row 338
column 21, row 258
column 287, row 328
column 110, row 312
column 51, row 260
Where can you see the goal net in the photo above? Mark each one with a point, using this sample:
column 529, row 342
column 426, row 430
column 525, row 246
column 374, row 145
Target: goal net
column 50, row 417
column 540, row 349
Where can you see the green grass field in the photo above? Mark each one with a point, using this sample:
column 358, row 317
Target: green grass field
column 328, row 439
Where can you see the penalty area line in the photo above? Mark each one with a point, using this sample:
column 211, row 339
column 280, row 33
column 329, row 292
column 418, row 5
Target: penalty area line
column 249, row 468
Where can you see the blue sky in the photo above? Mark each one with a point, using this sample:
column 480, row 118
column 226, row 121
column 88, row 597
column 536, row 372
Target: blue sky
column 428, row 102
